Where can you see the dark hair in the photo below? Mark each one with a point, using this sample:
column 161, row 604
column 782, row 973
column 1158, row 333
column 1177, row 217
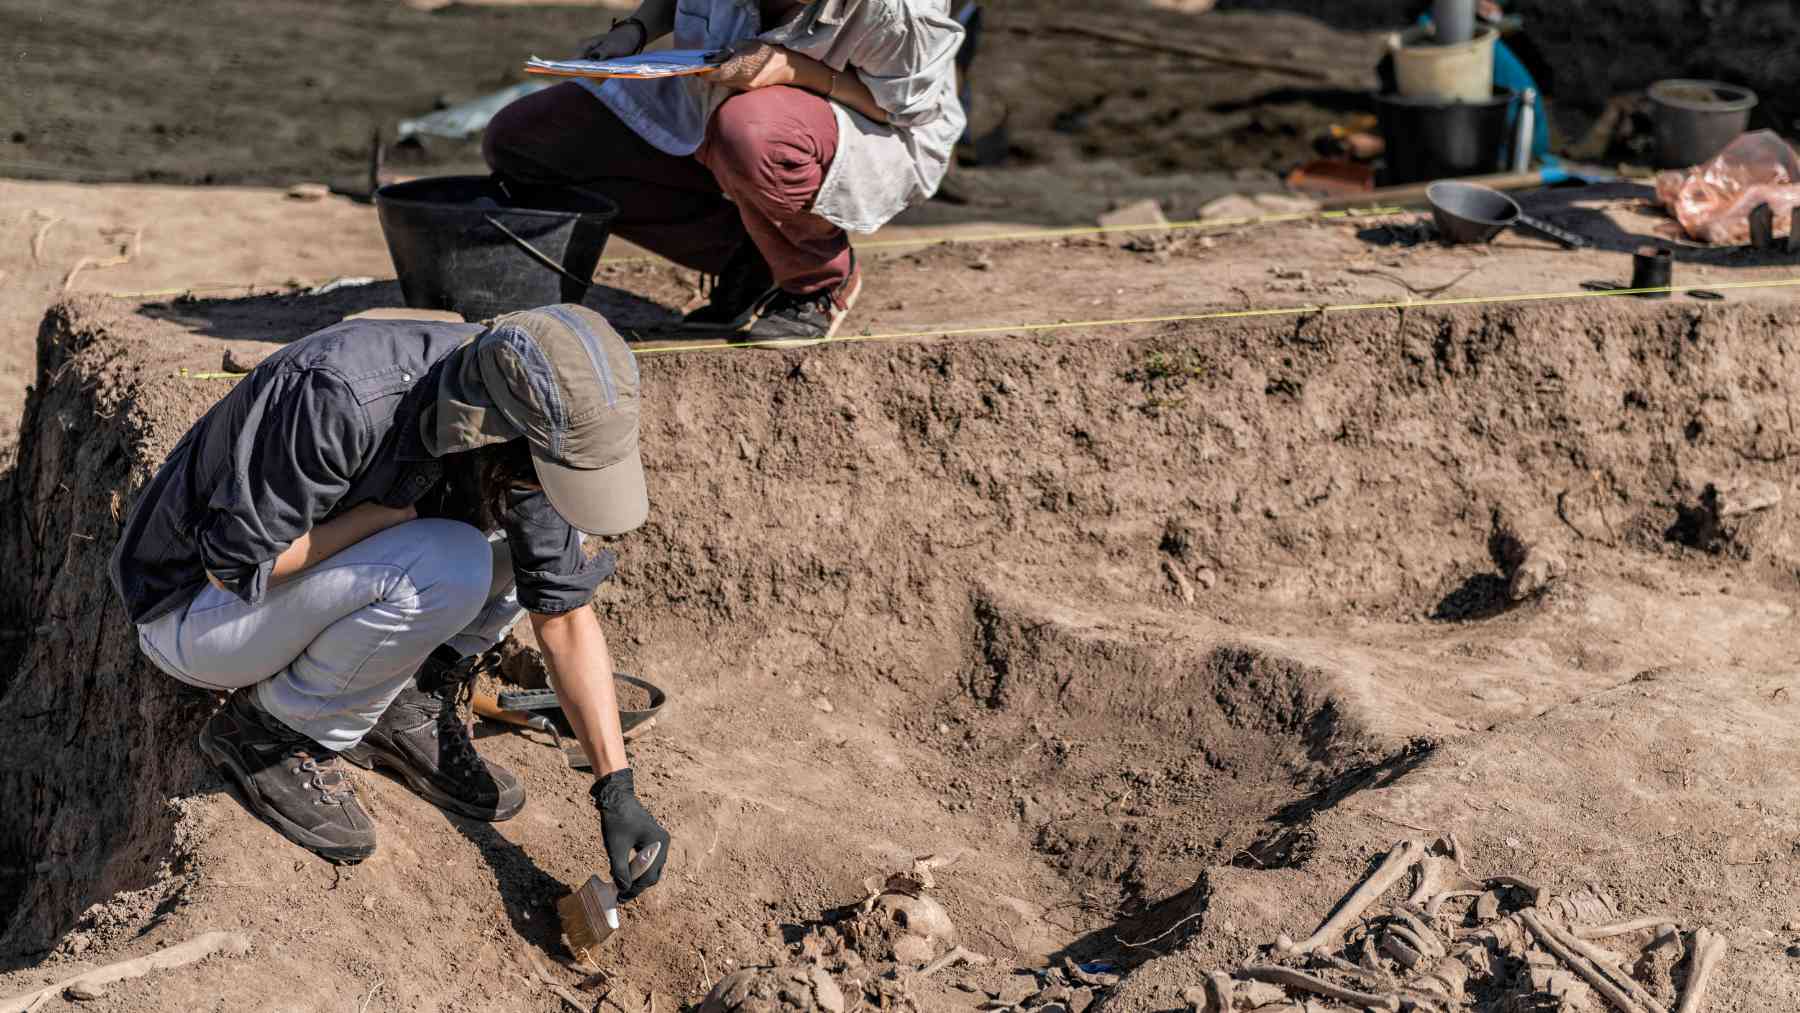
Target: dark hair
column 487, row 474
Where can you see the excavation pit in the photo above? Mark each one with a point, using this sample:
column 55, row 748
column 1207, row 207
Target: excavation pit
column 1139, row 620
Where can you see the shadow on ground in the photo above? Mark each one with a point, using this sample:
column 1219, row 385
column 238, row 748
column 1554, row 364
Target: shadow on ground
column 280, row 318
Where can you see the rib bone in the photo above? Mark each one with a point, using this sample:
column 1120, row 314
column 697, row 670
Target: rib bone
column 1621, row 1001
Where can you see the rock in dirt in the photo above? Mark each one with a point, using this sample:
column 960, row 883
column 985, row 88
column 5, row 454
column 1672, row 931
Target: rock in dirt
column 519, row 665
column 1527, row 563
column 308, row 191
column 1536, row 572
column 1726, row 518
column 1230, row 206
column 1178, row 582
column 1143, row 213
column 81, row 991
column 240, row 362
column 1743, row 498
column 775, row 990
column 1260, row 205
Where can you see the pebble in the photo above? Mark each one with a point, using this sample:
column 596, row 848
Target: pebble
column 943, row 729
column 822, row 705
column 308, row 191
column 368, row 903
column 83, row 990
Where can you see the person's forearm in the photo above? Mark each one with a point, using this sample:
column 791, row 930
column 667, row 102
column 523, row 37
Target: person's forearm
column 658, row 17
column 330, row 538
column 581, row 671
column 847, row 87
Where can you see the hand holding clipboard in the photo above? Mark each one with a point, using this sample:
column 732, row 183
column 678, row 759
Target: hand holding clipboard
column 643, row 66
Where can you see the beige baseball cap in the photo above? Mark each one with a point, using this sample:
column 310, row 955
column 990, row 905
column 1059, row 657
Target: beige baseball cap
column 564, row 378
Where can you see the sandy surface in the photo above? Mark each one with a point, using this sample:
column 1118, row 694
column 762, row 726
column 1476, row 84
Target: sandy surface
column 1104, row 609
column 1168, row 617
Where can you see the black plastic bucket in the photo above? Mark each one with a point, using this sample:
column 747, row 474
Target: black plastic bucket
column 459, row 243
column 1430, row 138
column 1695, row 120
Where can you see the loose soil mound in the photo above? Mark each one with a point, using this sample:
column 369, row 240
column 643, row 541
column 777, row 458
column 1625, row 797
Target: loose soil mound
column 1146, row 627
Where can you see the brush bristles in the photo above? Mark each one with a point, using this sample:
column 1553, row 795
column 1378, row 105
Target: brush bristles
column 583, row 920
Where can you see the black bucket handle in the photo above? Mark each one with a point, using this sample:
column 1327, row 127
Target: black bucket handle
column 534, row 253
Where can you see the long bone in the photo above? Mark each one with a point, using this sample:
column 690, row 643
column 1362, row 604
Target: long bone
column 1402, row 857
column 1709, row 949
column 1290, row 978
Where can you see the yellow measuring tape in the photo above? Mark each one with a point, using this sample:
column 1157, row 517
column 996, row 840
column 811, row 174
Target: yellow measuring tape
column 927, row 241
column 1097, row 230
column 1171, row 318
column 1176, row 318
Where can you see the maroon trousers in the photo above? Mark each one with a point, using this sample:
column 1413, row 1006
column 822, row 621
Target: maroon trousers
column 754, row 178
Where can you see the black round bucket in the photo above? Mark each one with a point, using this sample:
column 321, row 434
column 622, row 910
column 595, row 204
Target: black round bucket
column 1695, row 120
column 459, row 243
column 1431, row 138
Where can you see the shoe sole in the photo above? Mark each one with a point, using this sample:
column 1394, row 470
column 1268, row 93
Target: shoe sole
column 386, row 760
column 831, row 332
column 738, row 326
column 263, row 809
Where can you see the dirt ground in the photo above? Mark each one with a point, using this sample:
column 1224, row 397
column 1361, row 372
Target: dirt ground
column 295, row 94
column 1213, row 606
column 1166, row 618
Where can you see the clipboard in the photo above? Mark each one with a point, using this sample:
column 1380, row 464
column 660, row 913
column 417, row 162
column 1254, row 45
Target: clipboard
column 642, row 67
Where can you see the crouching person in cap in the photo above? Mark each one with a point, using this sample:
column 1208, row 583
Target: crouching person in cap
column 367, row 511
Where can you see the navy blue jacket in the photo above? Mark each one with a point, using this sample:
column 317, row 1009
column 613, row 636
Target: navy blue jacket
column 329, row 422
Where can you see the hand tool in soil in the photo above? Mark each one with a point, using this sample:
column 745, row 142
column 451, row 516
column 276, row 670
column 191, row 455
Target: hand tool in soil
column 485, row 705
column 1471, row 213
column 631, row 722
column 545, row 699
column 591, row 914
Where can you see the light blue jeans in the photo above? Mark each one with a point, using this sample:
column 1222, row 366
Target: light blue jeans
column 329, row 649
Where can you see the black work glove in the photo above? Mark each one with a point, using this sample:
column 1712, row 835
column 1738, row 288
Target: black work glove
column 627, row 827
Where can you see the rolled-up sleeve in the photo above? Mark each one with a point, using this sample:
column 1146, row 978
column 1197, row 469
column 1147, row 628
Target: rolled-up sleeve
column 907, row 58
column 552, row 571
column 300, row 445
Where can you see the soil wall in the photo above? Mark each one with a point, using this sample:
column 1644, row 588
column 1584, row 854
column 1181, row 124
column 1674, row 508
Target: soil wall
column 856, row 502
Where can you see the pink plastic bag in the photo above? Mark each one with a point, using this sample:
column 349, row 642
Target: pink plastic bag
column 1713, row 201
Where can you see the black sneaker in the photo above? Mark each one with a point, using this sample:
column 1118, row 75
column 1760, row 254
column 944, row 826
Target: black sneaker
column 787, row 320
column 737, row 292
column 294, row 784
column 422, row 738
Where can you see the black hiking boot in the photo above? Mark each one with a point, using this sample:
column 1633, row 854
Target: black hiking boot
column 294, row 784
column 422, row 738
column 787, row 320
column 737, row 292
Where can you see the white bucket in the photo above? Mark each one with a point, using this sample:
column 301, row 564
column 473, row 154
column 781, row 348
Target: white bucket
column 1424, row 69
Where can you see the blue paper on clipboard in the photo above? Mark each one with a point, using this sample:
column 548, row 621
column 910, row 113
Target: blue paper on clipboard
column 666, row 63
